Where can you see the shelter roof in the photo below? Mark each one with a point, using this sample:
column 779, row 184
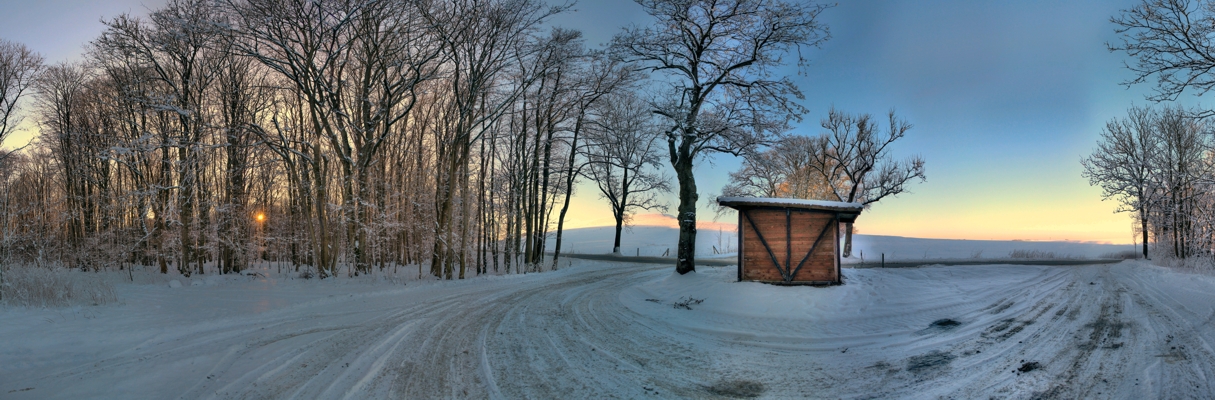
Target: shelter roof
column 818, row 205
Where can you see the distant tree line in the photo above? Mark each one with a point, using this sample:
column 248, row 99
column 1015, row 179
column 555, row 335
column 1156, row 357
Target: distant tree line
column 340, row 136
column 349, row 136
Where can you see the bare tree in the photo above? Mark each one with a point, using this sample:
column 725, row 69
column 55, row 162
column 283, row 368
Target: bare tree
column 599, row 78
column 853, row 160
column 18, row 68
column 1122, row 164
column 784, row 170
column 1172, row 41
column 175, row 47
column 61, row 91
column 718, row 58
column 1185, row 141
column 358, row 66
column 483, row 41
column 623, row 153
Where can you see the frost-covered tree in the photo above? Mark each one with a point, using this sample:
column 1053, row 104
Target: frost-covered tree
column 623, row 157
column 783, row 170
column 1157, row 163
column 18, row 68
column 175, row 46
column 359, row 66
column 854, row 161
column 493, row 57
column 1179, row 169
column 1171, row 42
column 599, row 77
column 718, row 63
column 849, row 162
column 1122, row 164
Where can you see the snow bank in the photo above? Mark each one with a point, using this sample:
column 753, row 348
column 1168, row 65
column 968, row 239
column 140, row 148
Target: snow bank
column 875, row 307
column 31, row 286
column 1128, row 330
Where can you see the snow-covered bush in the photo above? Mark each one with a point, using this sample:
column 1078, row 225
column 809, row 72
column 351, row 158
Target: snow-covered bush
column 1199, row 264
column 1040, row 255
column 34, row 286
column 1122, row 255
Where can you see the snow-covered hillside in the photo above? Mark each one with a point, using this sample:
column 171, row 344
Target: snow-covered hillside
column 602, row 329
column 655, row 240
column 904, row 248
column 650, row 240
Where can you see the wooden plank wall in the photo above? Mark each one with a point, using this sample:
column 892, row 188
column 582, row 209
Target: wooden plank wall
column 806, row 226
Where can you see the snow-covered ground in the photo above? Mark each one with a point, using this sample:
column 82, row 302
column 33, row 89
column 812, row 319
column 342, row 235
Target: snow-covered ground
column 1128, row 330
column 603, row 330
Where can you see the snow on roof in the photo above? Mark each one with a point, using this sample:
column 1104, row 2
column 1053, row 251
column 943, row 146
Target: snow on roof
column 735, row 202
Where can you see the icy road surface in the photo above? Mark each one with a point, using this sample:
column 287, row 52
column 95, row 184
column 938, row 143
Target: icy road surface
column 610, row 330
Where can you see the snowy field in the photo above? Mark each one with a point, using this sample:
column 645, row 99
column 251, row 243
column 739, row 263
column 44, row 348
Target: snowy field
column 655, row 240
column 612, row 330
column 652, row 241
column 903, row 248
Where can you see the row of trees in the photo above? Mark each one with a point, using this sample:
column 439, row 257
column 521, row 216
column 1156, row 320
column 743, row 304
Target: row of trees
column 331, row 134
column 376, row 133
column 1159, row 162
column 1160, row 165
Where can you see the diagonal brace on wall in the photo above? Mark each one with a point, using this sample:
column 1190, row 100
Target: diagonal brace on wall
column 786, row 271
column 784, row 274
column 821, row 235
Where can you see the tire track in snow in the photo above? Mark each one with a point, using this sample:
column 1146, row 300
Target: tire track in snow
column 1105, row 333
column 1097, row 331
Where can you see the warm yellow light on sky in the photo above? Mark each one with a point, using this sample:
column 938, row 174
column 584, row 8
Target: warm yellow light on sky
column 1085, row 220
column 1017, row 204
column 24, row 133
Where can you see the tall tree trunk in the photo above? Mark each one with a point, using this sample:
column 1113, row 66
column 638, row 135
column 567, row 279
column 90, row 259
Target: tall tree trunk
column 570, row 175
column 619, row 209
column 185, row 201
column 320, row 167
column 686, row 249
column 847, row 240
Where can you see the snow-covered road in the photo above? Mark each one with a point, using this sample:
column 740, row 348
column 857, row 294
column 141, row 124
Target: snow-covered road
column 609, row 330
column 516, row 336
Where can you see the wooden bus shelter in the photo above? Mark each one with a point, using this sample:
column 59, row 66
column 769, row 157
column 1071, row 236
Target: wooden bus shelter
column 790, row 241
